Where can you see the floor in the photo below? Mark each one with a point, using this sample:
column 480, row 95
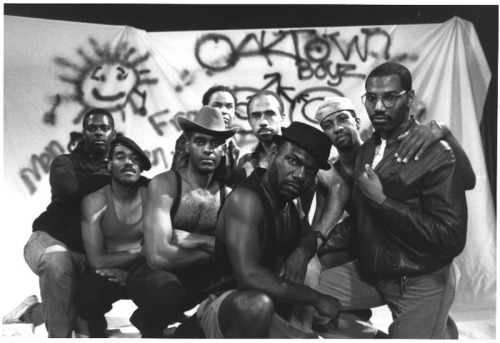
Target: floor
column 473, row 323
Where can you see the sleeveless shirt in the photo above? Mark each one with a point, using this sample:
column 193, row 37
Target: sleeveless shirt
column 129, row 235
column 278, row 237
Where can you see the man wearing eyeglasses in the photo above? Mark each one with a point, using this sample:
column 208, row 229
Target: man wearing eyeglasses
column 411, row 218
column 55, row 250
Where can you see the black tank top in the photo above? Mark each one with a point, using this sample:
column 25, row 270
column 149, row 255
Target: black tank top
column 279, row 237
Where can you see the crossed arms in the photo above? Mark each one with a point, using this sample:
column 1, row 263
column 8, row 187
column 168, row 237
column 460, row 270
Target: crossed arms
column 164, row 247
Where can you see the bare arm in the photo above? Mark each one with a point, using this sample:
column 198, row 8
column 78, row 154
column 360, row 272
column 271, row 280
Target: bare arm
column 160, row 251
column 295, row 266
column 242, row 215
column 332, row 208
column 93, row 207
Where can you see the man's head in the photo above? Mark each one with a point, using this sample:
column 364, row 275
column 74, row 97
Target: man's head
column 388, row 96
column 301, row 151
column 98, row 131
column 265, row 115
column 207, row 134
column 223, row 98
column 126, row 161
column 337, row 118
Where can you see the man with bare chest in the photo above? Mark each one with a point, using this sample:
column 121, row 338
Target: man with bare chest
column 180, row 217
column 198, row 209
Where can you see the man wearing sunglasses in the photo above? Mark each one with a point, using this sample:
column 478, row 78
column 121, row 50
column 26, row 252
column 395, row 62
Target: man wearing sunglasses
column 410, row 218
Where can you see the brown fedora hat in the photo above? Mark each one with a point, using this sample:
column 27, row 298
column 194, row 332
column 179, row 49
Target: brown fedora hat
column 208, row 120
column 308, row 138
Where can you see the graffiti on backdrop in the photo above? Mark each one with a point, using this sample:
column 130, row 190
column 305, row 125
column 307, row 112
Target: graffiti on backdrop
column 313, row 55
column 312, row 52
column 40, row 163
column 106, row 78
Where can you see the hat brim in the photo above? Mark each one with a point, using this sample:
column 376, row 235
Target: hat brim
column 188, row 126
column 325, row 165
column 352, row 112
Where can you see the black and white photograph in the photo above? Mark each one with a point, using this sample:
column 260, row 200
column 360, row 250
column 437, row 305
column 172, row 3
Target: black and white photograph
column 250, row 170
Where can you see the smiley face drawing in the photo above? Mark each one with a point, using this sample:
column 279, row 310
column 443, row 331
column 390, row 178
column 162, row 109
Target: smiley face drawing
column 109, row 85
column 109, row 78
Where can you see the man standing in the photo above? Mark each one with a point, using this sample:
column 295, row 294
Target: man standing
column 55, row 249
column 265, row 113
column 411, row 218
column 223, row 98
column 112, row 230
column 338, row 120
column 180, row 217
column 263, row 248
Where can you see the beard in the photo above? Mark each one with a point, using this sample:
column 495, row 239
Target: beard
column 346, row 145
column 345, row 148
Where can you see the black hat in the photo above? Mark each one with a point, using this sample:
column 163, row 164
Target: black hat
column 122, row 140
column 308, row 138
column 208, row 120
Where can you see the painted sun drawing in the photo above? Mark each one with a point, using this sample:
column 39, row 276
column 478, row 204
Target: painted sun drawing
column 107, row 78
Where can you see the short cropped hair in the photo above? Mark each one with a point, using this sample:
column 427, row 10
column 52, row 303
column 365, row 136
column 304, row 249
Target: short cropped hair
column 263, row 93
column 214, row 89
column 393, row 68
column 100, row 111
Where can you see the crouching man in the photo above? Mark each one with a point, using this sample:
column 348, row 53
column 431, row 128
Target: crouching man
column 263, row 247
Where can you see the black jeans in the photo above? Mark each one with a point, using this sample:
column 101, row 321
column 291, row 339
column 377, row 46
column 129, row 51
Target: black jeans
column 94, row 297
column 162, row 297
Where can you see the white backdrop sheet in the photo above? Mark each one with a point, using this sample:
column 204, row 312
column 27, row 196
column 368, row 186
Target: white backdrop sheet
column 55, row 71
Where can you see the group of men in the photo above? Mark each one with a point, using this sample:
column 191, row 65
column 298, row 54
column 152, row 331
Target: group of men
column 232, row 238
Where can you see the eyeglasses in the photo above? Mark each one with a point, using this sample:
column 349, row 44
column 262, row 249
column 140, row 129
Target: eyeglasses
column 389, row 99
column 93, row 128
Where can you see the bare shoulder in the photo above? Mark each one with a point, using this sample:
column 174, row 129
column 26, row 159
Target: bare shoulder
column 163, row 183
column 245, row 202
column 327, row 177
column 95, row 198
column 94, row 204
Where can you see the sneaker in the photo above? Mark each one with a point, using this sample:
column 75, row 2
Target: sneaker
column 14, row 316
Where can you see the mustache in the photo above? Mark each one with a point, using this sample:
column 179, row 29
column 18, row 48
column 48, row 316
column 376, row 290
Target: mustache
column 293, row 184
column 126, row 169
column 380, row 116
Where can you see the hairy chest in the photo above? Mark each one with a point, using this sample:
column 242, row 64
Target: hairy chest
column 197, row 212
